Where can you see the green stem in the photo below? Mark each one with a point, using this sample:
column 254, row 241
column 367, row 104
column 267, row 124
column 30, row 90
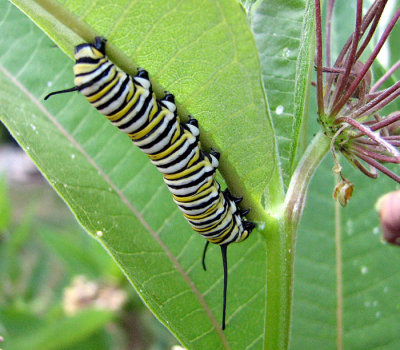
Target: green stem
column 298, row 187
column 281, row 239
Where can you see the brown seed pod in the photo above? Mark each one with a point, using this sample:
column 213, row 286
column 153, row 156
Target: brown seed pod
column 343, row 192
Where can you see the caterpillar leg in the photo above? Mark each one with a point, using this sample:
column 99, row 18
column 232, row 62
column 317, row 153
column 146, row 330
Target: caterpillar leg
column 142, row 73
column 142, row 79
column 168, row 97
column 193, row 121
column 203, row 259
column 100, row 44
column 248, row 225
column 228, row 195
column 193, row 126
column 244, row 212
column 213, row 156
column 215, row 153
column 168, row 101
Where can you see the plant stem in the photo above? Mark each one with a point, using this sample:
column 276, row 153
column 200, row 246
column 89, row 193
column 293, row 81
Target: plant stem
column 281, row 247
column 297, row 192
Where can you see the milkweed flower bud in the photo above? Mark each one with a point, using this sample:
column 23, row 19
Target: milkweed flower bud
column 388, row 207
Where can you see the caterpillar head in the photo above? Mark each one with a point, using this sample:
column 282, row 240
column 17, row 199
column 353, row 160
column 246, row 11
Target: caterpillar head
column 92, row 51
column 86, row 56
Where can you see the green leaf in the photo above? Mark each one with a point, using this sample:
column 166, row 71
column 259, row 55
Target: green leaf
column 119, row 197
column 365, row 297
column 283, row 31
column 24, row 331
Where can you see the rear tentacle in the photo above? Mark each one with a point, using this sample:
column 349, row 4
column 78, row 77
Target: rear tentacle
column 203, row 259
column 225, row 265
column 75, row 88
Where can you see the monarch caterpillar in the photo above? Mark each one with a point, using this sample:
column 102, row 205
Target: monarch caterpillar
column 172, row 146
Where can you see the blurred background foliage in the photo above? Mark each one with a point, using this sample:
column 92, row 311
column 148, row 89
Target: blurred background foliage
column 55, row 279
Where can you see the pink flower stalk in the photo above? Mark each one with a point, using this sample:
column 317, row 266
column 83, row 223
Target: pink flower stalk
column 349, row 108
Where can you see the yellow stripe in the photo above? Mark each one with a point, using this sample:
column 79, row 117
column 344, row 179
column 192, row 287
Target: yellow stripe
column 89, row 51
column 244, row 235
column 185, row 172
column 150, row 126
column 102, row 92
column 177, row 133
column 131, row 90
column 209, row 228
column 80, row 68
column 202, row 188
column 154, row 108
column 153, row 111
column 205, row 229
column 84, row 79
column 193, row 197
column 222, row 236
column 209, row 211
column 139, row 92
column 195, row 157
column 170, row 149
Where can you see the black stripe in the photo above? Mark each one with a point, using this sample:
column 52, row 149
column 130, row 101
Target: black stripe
column 94, row 69
column 203, row 204
column 97, row 78
column 200, row 159
column 170, row 144
column 138, row 115
column 198, row 181
column 190, row 148
column 104, row 85
column 178, row 198
column 115, row 97
column 154, row 129
column 211, row 222
column 88, row 60
column 181, row 131
column 219, row 232
column 143, row 110
column 194, row 192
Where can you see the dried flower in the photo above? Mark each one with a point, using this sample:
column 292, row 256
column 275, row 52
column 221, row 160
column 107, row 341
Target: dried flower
column 349, row 108
column 343, row 191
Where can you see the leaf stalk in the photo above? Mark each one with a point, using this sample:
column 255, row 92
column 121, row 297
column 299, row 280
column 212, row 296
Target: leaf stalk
column 281, row 239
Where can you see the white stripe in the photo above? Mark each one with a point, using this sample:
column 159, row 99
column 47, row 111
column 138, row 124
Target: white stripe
column 195, row 176
column 153, row 136
column 138, row 123
column 164, row 142
column 187, row 190
column 110, row 94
